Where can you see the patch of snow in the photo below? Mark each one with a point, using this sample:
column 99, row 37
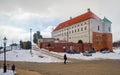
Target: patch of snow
column 117, row 50
column 25, row 55
column 9, row 72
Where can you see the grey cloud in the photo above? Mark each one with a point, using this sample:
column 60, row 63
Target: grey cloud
column 27, row 5
column 58, row 8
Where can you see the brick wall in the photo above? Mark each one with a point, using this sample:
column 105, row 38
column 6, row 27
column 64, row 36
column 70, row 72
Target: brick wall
column 108, row 41
column 98, row 43
column 102, row 40
column 59, row 47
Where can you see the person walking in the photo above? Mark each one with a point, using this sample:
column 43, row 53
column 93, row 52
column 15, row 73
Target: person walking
column 13, row 68
column 65, row 58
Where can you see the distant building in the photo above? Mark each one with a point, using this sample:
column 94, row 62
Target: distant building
column 88, row 28
column 40, row 41
column 24, row 44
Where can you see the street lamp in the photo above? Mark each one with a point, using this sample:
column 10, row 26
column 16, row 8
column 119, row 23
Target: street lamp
column 31, row 40
column 4, row 66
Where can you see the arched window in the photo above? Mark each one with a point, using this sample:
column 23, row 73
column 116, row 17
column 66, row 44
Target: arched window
column 80, row 41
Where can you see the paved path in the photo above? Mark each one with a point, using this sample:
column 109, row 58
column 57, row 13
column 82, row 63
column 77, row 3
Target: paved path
column 44, row 51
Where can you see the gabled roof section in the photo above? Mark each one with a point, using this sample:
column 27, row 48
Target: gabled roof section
column 106, row 20
column 85, row 16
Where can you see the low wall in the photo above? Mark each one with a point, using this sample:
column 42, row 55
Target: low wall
column 64, row 47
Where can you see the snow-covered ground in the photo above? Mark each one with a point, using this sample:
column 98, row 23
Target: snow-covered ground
column 9, row 72
column 37, row 56
column 25, row 55
column 95, row 56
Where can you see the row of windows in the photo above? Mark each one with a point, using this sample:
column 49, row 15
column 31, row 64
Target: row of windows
column 74, row 26
column 75, row 37
column 72, row 31
column 84, row 23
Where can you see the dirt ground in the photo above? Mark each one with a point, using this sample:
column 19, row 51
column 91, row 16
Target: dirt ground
column 96, row 67
column 26, row 72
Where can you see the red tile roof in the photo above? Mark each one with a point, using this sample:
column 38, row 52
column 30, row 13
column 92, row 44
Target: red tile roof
column 77, row 19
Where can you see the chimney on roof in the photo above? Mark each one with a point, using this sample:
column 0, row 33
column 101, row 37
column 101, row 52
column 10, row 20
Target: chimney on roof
column 88, row 9
column 70, row 17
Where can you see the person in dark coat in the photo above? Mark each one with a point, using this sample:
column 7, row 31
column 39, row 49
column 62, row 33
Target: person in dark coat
column 65, row 58
column 13, row 68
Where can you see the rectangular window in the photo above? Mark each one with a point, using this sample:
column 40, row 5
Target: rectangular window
column 85, row 27
column 72, row 31
column 69, row 31
column 98, row 28
column 81, row 24
column 75, row 30
column 78, row 30
column 81, row 29
column 109, row 29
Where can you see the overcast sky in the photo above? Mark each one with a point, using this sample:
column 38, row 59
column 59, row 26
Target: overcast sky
column 18, row 16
